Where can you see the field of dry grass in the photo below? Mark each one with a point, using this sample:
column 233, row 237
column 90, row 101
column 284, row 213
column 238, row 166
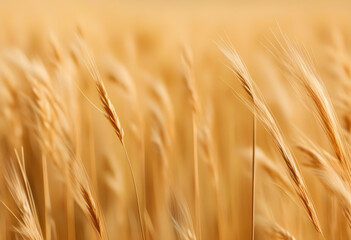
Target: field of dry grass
column 175, row 121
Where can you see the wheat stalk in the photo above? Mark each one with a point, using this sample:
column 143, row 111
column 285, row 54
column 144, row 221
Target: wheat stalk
column 187, row 61
column 111, row 116
column 206, row 144
column 298, row 65
column 261, row 111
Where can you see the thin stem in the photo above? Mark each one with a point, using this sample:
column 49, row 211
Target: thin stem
column 47, row 205
column 196, row 180
column 92, row 159
column 71, row 233
column 136, row 191
column 253, row 178
column 219, row 212
column 143, row 170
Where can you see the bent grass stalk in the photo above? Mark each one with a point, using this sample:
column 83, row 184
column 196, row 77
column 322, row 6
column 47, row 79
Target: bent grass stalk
column 112, row 117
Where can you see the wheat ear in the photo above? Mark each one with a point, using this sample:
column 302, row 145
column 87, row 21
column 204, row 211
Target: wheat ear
column 298, row 64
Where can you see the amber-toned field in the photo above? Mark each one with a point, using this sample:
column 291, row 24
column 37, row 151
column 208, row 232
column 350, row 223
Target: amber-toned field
column 188, row 120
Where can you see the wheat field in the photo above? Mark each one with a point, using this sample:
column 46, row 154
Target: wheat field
column 179, row 120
